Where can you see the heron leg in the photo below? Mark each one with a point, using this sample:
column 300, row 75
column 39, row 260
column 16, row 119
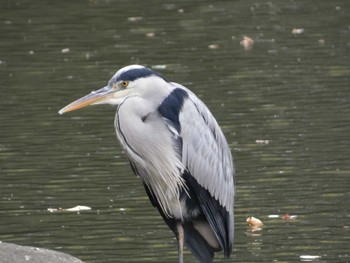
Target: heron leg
column 180, row 240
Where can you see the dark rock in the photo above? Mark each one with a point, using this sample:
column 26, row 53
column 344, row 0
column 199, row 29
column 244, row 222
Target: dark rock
column 13, row 253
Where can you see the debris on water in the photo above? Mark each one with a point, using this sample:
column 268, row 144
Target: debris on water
column 273, row 216
column 262, row 141
column 135, row 18
column 51, row 210
column 77, row 208
column 297, row 31
column 288, row 216
column 65, row 50
column 308, row 257
column 321, row 41
column 213, row 46
column 150, row 34
column 254, row 222
column 157, row 67
column 247, row 43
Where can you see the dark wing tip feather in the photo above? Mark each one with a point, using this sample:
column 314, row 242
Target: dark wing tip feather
column 197, row 244
column 216, row 215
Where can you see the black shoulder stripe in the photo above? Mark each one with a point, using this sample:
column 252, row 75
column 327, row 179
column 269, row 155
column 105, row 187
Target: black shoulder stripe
column 171, row 106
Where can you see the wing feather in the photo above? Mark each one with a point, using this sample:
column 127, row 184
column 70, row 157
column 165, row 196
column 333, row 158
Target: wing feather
column 207, row 158
column 205, row 151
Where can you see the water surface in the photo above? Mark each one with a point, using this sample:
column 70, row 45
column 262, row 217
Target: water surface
column 283, row 105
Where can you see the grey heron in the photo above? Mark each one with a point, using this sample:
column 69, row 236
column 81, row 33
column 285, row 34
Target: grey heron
column 175, row 145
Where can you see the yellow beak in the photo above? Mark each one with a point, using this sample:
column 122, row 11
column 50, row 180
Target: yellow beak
column 93, row 98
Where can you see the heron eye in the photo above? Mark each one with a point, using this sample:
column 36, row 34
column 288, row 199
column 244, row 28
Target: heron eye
column 125, row 83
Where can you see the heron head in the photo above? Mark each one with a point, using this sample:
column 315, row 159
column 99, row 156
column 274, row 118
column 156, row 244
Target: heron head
column 126, row 82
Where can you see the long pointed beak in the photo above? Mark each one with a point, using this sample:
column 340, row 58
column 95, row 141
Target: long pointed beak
column 93, row 98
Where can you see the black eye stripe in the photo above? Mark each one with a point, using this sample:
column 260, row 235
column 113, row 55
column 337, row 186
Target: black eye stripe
column 136, row 73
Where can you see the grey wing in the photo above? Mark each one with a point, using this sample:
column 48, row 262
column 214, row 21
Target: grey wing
column 205, row 151
column 210, row 171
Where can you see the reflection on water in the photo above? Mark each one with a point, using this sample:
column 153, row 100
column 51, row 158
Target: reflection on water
column 283, row 105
